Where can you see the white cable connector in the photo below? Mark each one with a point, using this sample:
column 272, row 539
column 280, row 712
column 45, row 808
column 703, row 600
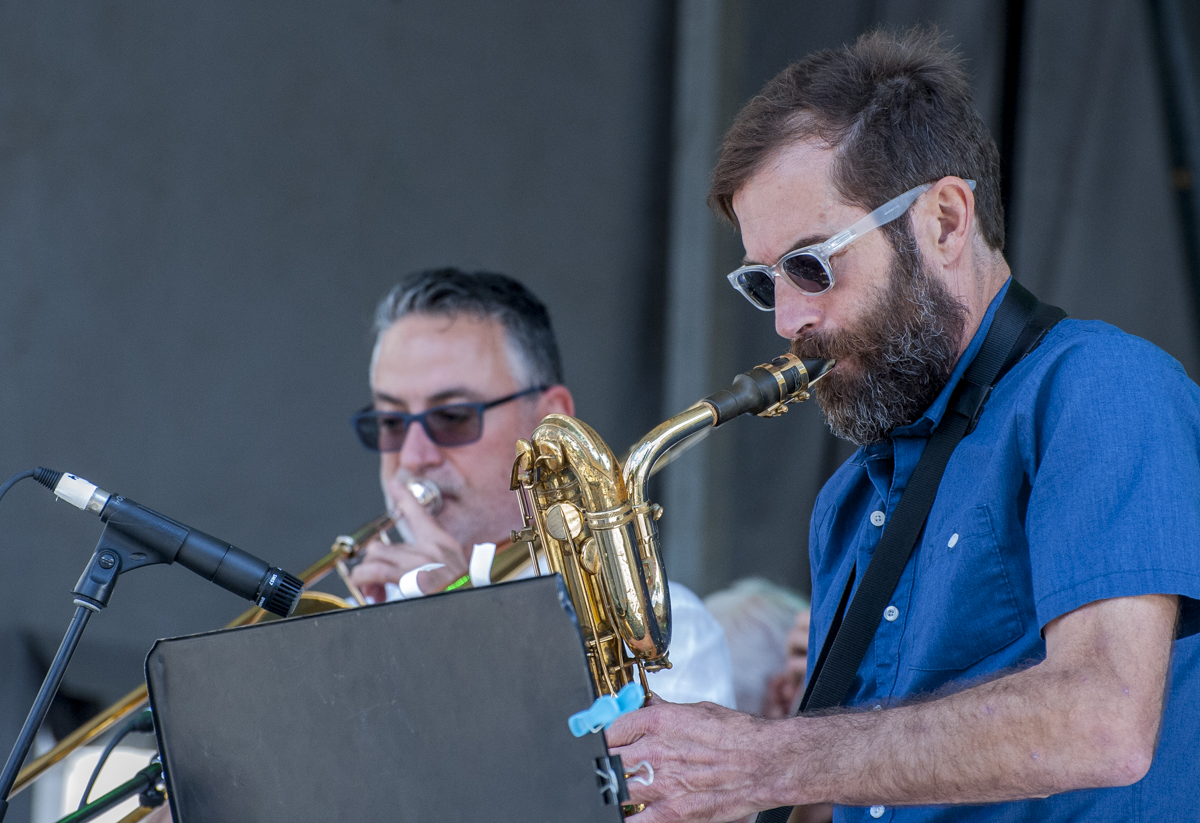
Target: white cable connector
column 80, row 493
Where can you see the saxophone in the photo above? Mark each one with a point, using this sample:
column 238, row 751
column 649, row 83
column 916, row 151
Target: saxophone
column 588, row 514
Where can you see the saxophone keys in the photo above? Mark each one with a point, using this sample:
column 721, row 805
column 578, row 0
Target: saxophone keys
column 522, row 470
column 550, row 457
column 564, row 521
column 589, row 556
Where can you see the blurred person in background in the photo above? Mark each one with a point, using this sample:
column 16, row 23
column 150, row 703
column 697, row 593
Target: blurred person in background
column 767, row 629
column 783, row 693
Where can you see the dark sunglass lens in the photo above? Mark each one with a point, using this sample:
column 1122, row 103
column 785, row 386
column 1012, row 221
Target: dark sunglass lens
column 454, row 425
column 389, row 432
column 367, row 430
column 760, row 287
column 806, row 272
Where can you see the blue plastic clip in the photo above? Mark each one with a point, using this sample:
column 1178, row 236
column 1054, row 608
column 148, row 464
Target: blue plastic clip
column 606, row 709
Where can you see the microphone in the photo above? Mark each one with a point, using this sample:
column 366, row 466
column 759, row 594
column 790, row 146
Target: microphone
column 271, row 588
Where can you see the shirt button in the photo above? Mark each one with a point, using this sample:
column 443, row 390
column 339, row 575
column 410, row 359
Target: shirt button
column 878, row 518
column 891, row 613
column 877, row 811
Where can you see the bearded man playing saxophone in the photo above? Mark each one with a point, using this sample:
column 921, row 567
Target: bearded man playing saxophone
column 1039, row 659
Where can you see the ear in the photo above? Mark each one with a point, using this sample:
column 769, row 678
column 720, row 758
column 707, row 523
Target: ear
column 945, row 220
column 555, row 400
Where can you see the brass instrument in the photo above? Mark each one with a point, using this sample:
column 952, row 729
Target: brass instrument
column 589, row 514
column 346, row 550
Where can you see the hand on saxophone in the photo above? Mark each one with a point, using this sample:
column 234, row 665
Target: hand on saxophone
column 711, row 764
column 425, row 542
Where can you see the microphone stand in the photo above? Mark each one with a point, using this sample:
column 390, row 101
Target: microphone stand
column 115, row 554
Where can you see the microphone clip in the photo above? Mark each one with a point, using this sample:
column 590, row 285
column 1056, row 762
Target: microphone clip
column 115, row 553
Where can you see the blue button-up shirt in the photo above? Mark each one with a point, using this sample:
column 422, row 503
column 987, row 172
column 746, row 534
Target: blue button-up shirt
column 1081, row 482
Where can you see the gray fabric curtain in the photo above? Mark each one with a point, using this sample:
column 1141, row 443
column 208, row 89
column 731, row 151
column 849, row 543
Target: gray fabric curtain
column 200, row 205
column 1097, row 230
column 1094, row 228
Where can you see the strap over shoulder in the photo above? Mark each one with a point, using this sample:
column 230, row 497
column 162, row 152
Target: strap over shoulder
column 1020, row 323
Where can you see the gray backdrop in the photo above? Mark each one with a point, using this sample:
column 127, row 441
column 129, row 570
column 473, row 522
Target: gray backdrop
column 200, row 205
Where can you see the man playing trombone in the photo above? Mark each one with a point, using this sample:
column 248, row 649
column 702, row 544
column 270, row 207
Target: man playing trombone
column 464, row 365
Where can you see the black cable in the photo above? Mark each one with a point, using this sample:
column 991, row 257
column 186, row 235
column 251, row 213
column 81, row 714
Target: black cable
column 143, row 722
column 144, row 783
column 14, row 480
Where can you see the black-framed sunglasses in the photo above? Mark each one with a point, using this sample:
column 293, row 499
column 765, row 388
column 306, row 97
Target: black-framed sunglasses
column 454, row 424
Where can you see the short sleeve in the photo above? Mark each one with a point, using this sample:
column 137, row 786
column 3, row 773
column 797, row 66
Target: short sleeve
column 1113, row 439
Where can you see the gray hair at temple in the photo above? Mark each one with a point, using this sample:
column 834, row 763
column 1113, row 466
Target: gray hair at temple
column 448, row 292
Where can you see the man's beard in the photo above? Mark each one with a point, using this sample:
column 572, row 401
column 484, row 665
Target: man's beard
column 895, row 359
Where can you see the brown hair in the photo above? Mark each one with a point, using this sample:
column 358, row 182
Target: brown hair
column 897, row 109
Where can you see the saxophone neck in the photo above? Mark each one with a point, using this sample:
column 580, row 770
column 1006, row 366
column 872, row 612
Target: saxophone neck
column 765, row 390
column 647, row 453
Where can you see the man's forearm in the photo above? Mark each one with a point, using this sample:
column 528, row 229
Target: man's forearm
column 1031, row 733
column 1086, row 716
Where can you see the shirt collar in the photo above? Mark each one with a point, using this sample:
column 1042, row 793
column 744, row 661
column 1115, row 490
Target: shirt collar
column 925, row 424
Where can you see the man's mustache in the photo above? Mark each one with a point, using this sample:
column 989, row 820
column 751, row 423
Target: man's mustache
column 807, row 348
column 838, row 346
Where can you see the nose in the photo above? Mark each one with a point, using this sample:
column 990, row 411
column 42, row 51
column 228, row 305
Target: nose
column 419, row 452
column 796, row 313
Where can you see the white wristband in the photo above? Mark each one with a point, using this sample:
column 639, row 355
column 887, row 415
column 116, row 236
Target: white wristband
column 409, row 588
column 481, row 564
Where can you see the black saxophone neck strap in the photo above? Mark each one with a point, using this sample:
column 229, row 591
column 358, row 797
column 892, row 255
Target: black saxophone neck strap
column 1020, row 323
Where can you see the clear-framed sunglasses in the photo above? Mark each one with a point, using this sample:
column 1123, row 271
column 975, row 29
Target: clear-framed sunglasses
column 808, row 268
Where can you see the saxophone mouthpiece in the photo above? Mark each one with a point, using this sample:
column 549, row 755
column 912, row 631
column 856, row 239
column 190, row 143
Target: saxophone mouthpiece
column 817, row 368
column 767, row 389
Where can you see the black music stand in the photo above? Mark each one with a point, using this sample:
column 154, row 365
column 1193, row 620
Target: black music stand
column 452, row 707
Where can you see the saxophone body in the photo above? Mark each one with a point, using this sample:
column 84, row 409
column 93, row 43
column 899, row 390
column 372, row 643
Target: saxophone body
column 589, row 515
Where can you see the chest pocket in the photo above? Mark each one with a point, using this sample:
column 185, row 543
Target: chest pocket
column 963, row 606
